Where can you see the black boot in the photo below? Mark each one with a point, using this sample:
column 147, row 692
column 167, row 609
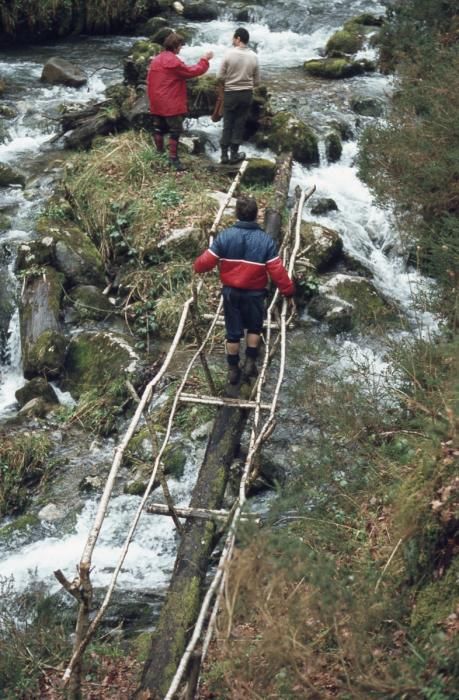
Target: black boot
column 224, row 160
column 250, row 368
column 236, row 156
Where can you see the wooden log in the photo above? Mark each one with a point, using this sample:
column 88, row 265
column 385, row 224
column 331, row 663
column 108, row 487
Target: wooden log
column 221, row 401
column 273, row 213
column 185, row 592
column 199, row 513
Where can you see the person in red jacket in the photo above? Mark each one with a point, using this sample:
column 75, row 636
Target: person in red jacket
column 246, row 255
column 166, row 89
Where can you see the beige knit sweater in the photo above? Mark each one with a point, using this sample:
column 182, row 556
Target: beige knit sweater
column 239, row 69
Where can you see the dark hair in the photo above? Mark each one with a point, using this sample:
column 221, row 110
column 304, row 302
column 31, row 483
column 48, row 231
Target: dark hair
column 246, row 209
column 242, row 34
column 173, row 41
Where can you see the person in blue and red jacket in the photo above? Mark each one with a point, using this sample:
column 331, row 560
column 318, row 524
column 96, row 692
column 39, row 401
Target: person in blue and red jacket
column 166, row 89
column 246, row 256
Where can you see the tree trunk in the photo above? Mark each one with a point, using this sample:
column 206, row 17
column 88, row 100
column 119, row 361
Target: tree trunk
column 273, row 213
column 184, row 596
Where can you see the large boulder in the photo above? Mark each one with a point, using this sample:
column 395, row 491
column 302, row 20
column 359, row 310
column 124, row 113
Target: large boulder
column 59, row 71
column 200, row 10
column 337, row 68
column 135, row 65
column 320, row 244
column 43, row 344
column 97, row 359
column 10, row 176
column 285, row 132
column 38, row 387
column 89, row 303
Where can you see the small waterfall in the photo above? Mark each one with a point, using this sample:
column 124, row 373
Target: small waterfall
column 11, row 377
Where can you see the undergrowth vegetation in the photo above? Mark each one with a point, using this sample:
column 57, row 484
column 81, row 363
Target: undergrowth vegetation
column 352, row 589
column 23, row 465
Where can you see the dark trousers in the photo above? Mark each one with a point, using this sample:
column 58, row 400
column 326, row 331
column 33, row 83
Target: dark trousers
column 236, row 108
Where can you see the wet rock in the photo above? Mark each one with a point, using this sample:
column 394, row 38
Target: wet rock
column 348, row 40
column 136, row 65
column 285, row 132
column 50, row 513
column 46, row 356
column 96, row 359
column 161, row 34
column 367, row 106
column 10, row 176
column 91, row 484
column 324, row 246
column 333, row 147
column 2, row 86
column 77, row 257
column 8, row 112
column 368, row 307
column 337, row 68
column 200, row 11
column 202, row 431
column 35, row 408
column 36, row 253
column 323, row 205
column 90, row 303
column 38, row 387
column 6, row 309
column 333, row 311
column 187, row 241
column 60, row 71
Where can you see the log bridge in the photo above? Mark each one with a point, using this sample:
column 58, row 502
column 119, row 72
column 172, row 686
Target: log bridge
column 187, row 620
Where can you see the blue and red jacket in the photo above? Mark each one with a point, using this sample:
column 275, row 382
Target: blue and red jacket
column 246, row 255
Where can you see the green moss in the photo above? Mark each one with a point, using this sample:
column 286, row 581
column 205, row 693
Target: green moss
column 20, row 524
column 46, row 355
column 349, row 40
column 174, row 461
column 435, row 602
column 23, row 464
column 336, row 68
column 368, row 307
column 260, row 171
column 140, row 646
column 288, row 133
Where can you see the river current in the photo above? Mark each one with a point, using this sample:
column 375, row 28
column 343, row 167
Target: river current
column 285, row 34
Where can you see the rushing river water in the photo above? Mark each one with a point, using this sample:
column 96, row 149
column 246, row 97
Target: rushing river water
column 285, row 34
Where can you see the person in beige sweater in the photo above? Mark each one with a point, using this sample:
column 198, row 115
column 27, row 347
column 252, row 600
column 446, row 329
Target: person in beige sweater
column 239, row 73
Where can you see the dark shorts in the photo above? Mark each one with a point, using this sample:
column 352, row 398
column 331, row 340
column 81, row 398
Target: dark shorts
column 174, row 125
column 243, row 309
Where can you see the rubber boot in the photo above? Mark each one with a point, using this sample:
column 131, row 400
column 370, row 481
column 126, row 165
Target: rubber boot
column 224, row 160
column 173, row 157
column 250, row 368
column 236, row 156
column 159, row 141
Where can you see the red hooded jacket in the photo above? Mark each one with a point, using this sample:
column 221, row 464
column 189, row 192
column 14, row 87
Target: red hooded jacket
column 166, row 83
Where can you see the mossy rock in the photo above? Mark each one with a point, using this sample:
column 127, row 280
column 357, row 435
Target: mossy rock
column 201, row 11
column 202, row 95
column 10, row 176
column 135, row 488
column 260, row 171
column 368, row 308
column 8, row 112
column 346, row 41
column 97, row 359
column 323, row 205
column 333, row 147
column 46, row 356
column 337, row 68
column 174, row 459
column 153, row 24
column 367, row 106
column 18, row 526
column 288, row 133
column 135, row 66
column 161, row 34
column 335, row 312
column 324, row 245
column 37, row 253
column 38, row 387
column 90, row 303
column 76, row 256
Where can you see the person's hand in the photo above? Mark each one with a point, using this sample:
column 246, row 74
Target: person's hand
column 208, row 55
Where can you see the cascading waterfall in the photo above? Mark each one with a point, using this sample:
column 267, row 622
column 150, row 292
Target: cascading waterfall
column 290, row 34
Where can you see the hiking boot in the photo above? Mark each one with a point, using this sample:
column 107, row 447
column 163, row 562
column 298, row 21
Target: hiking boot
column 224, row 160
column 176, row 164
column 236, row 156
column 234, row 374
column 250, row 368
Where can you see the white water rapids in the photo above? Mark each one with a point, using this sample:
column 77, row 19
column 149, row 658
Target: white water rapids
column 367, row 231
